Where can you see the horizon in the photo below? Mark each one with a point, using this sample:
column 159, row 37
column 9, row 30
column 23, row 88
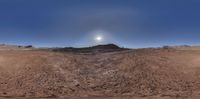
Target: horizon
column 77, row 23
column 100, row 45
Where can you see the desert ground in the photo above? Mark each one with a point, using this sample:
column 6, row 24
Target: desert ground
column 148, row 73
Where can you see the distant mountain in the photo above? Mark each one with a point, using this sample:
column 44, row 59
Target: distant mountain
column 107, row 46
column 93, row 49
column 15, row 47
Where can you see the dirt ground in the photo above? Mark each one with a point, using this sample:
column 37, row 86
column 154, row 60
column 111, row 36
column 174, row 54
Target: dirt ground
column 131, row 74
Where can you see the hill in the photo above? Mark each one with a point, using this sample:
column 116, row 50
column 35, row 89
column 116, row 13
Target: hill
column 93, row 49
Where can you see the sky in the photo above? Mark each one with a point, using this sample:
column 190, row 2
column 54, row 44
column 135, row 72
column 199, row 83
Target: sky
column 78, row 23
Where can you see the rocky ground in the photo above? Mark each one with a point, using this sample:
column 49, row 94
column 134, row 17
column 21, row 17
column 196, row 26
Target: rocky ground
column 161, row 73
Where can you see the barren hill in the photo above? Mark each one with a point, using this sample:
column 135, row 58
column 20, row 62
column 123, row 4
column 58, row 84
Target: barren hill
column 92, row 49
column 129, row 73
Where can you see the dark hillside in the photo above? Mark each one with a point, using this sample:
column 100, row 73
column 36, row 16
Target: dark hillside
column 93, row 49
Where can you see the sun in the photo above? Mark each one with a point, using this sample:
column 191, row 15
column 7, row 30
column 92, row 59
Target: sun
column 98, row 38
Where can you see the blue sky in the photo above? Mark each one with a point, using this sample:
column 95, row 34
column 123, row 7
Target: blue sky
column 128, row 23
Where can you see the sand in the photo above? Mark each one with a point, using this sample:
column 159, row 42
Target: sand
column 131, row 74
